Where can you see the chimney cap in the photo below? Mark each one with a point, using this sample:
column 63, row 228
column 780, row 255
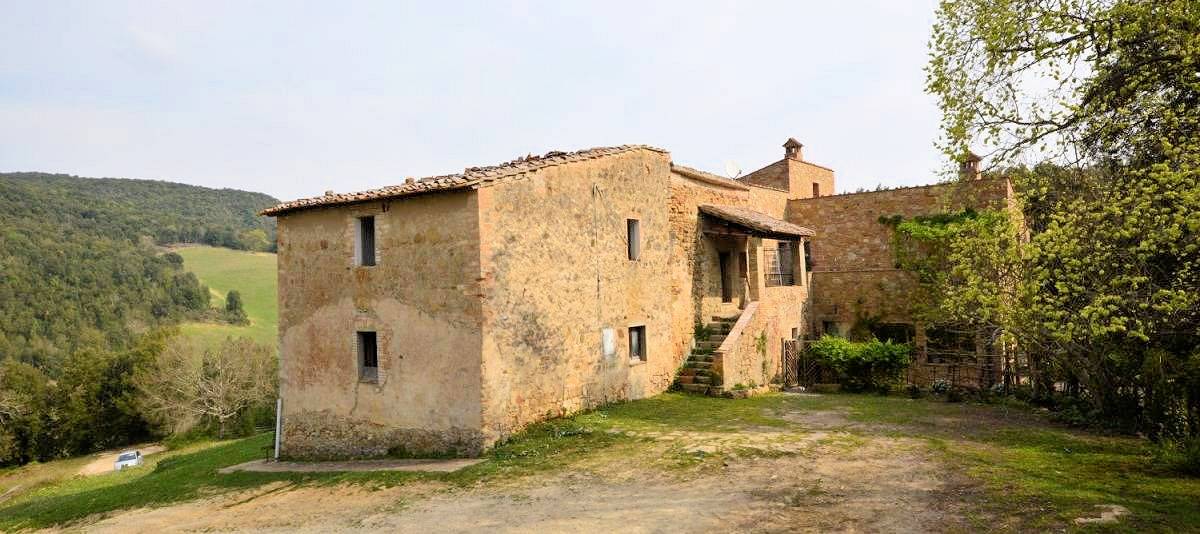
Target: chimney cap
column 329, row 193
column 971, row 156
column 792, row 142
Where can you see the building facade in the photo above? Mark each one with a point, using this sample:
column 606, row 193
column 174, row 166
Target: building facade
column 447, row 313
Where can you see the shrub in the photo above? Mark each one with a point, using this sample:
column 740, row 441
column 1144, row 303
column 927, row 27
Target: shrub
column 862, row 366
column 1181, row 456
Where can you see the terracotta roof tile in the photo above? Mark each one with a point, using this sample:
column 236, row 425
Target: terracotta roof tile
column 756, row 221
column 470, row 178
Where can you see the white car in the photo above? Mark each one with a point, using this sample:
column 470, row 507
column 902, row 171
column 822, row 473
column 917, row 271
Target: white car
column 128, row 459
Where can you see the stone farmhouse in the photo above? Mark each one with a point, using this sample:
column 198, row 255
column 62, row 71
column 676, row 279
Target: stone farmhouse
column 447, row 313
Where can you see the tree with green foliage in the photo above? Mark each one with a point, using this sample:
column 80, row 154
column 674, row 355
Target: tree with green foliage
column 91, row 248
column 970, row 270
column 90, row 406
column 25, row 413
column 96, row 396
column 234, row 311
column 1107, row 91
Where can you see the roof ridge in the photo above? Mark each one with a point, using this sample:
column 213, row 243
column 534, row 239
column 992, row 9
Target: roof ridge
column 707, row 177
column 470, row 177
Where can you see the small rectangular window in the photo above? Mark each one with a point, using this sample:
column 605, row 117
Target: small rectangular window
column 634, row 236
column 368, row 357
column 795, row 333
column 781, row 264
column 816, row 190
column 365, row 247
column 637, row 343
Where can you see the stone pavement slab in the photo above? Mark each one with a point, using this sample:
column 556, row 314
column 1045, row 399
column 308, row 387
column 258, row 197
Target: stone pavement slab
column 430, row 465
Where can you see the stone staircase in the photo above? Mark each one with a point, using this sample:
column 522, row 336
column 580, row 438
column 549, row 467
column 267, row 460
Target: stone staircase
column 698, row 375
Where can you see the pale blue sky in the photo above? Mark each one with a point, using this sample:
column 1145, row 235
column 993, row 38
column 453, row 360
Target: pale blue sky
column 294, row 98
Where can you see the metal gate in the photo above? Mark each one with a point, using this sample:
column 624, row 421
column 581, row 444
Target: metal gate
column 792, row 362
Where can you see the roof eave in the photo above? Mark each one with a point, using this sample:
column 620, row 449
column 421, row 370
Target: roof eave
column 278, row 211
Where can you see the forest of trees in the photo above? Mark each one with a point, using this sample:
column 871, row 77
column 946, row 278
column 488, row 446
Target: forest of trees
column 79, row 265
column 88, row 298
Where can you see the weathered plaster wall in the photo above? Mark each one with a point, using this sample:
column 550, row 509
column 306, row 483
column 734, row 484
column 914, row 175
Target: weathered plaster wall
column 556, row 273
column 422, row 300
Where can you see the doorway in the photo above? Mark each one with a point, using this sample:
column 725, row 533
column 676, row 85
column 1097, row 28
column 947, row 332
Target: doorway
column 723, row 258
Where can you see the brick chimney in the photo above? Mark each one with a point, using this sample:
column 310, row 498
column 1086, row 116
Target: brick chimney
column 793, row 149
column 968, row 168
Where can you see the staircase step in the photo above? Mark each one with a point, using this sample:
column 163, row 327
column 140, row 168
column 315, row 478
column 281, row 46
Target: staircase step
column 696, row 388
column 685, row 379
column 700, row 358
column 702, row 380
column 709, row 344
column 698, row 365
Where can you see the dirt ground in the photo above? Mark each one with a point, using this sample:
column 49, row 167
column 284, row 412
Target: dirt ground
column 819, row 474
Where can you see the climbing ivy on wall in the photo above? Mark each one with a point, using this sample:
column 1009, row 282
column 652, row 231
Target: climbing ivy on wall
column 968, row 268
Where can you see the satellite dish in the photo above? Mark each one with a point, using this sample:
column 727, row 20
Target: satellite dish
column 732, row 170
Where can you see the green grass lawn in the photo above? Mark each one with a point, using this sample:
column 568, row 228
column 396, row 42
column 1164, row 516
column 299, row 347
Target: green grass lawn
column 252, row 274
column 1024, row 473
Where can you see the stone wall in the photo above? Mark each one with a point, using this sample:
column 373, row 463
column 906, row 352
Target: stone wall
column 491, row 305
column 755, row 357
column 854, row 273
column 556, row 274
column 774, row 176
column 849, row 234
column 696, row 290
column 793, row 177
column 421, row 298
column 805, row 174
column 695, row 274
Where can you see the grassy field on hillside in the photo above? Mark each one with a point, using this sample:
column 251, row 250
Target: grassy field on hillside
column 252, row 274
column 1008, row 469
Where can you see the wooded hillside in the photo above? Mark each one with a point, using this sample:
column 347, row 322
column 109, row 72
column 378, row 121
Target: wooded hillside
column 79, row 266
